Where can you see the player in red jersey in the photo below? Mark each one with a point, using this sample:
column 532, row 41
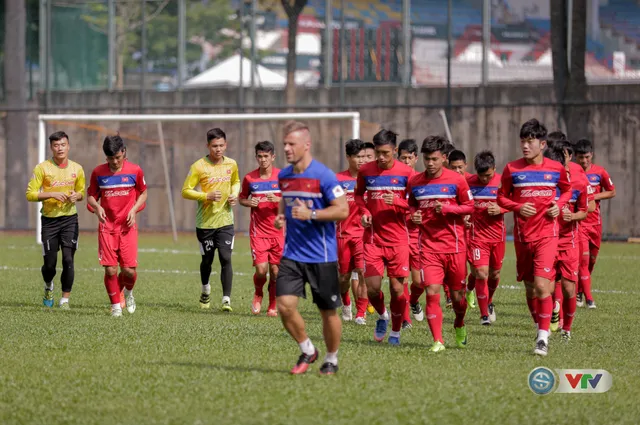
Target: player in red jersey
column 369, row 156
column 440, row 198
column 261, row 193
column 486, row 235
column 120, row 188
column 603, row 188
column 386, row 238
column 527, row 188
column 350, row 243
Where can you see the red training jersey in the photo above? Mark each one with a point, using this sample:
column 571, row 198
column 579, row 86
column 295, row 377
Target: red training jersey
column 569, row 230
column 441, row 232
column 600, row 181
column 389, row 222
column 117, row 192
column 264, row 215
column 412, row 228
column 351, row 227
column 485, row 227
column 522, row 182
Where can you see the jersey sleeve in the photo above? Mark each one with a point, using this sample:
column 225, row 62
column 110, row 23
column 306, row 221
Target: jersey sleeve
column 235, row 180
column 464, row 198
column 188, row 188
column 80, row 182
column 331, row 187
column 582, row 202
column 35, row 184
column 606, row 182
column 565, row 188
column 93, row 189
column 361, row 188
column 505, row 191
column 141, row 184
column 245, row 191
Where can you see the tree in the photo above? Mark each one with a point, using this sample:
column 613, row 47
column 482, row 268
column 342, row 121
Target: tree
column 293, row 13
column 570, row 83
column 16, row 207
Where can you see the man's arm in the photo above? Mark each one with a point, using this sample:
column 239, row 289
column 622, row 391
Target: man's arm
column 464, row 205
column 35, row 185
column 361, row 188
column 235, row 181
column 94, row 207
column 78, row 190
column 565, row 189
column 505, row 191
column 188, row 188
column 608, row 189
column 243, row 197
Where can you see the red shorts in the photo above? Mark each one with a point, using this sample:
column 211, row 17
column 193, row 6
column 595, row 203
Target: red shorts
column 567, row 263
column 266, row 250
column 350, row 254
column 593, row 234
column 482, row 254
column 394, row 258
column 415, row 257
column 450, row 269
column 119, row 248
column 536, row 259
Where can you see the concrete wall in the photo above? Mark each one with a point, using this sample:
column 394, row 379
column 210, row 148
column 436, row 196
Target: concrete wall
column 411, row 113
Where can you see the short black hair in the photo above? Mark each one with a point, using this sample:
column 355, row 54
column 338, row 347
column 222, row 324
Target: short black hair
column 353, row 147
column 58, row 135
column 216, row 133
column 457, row 155
column 556, row 137
column 483, row 161
column 533, row 129
column 385, row 137
column 112, row 145
column 369, row 145
column 448, row 148
column 555, row 153
column 583, row 147
column 433, row 144
column 408, row 145
column 265, row 146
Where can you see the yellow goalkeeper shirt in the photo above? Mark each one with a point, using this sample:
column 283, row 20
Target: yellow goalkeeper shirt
column 50, row 177
column 211, row 177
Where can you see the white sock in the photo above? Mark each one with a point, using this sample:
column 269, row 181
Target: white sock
column 544, row 335
column 385, row 315
column 354, row 275
column 206, row 289
column 395, row 334
column 64, row 301
column 48, row 286
column 127, row 292
column 331, row 358
column 116, row 307
column 226, row 300
column 307, row 347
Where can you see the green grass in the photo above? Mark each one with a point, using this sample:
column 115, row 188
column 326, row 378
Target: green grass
column 171, row 363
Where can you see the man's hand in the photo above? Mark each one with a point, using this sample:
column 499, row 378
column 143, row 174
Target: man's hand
column 366, row 220
column 416, row 217
column 214, row 196
column 438, row 207
column 232, row 200
column 279, row 222
column 74, row 196
column 553, row 210
column 493, row 209
column 528, row 210
column 467, row 221
column 271, row 197
column 102, row 216
column 567, row 215
column 131, row 217
column 388, row 198
column 300, row 211
column 254, row 202
column 58, row 196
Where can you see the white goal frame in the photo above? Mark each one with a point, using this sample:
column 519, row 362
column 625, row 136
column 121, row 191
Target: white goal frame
column 354, row 117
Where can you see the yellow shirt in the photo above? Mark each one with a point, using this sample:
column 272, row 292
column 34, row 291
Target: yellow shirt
column 49, row 177
column 210, row 177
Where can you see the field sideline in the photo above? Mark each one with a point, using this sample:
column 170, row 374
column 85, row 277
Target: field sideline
column 172, row 363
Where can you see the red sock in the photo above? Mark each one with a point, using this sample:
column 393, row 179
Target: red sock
column 406, row 317
column 460, row 308
column 446, row 291
column 258, row 284
column 531, row 303
column 416, row 292
column 111, row 285
column 361, row 306
column 482, row 293
column 129, row 282
column 398, row 305
column 558, row 296
column 583, row 272
column 377, row 301
column 346, row 298
column 434, row 316
column 569, row 310
column 272, row 294
column 493, row 285
column 471, row 282
column 121, row 281
column 586, row 287
column 593, row 254
column 544, row 309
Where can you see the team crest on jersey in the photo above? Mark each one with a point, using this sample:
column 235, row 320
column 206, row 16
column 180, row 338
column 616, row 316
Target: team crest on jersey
column 593, row 178
column 494, row 192
column 548, row 176
column 73, row 175
column 229, row 171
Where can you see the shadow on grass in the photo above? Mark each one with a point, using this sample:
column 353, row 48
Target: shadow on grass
column 228, row 368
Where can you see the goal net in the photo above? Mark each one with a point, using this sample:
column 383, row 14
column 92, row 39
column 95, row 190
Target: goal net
column 166, row 145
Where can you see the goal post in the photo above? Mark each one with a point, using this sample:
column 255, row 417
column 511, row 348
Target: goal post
column 353, row 117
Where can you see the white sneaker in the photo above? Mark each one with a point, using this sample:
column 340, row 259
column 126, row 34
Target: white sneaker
column 347, row 314
column 131, row 303
column 360, row 321
column 116, row 312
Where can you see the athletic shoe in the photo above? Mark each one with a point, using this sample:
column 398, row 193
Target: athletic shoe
column 406, row 325
column 471, row 299
column 418, row 313
column 555, row 317
column 370, row 309
column 328, row 369
column 48, row 300
column 131, row 304
column 580, row 300
column 205, row 300
column 123, row 302
column 226, row 306
column 272, row 313
column 116, row 312
column 303, row 363
column 394, row 340
column 256, row 304
column 542, row 348
column 437, row 347
column 461, row 337
column 591, row 304
column 347, row 314
column 561, row 323
column 492, row 313
column 65, row 306
column 484, row 321
column 449, row 303
column 360, row 321
column 381, row 330
column 565, row 336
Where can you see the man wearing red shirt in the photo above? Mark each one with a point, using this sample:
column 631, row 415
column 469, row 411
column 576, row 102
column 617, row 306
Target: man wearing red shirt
column 440, row 199
column 527, row 188
column 261, row 193
column 384, row 216
column 120, row 187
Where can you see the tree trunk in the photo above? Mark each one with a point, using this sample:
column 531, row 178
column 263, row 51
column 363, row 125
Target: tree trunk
column 16, row 131
column 293, row 13
column 577, row 117
column 558, row 18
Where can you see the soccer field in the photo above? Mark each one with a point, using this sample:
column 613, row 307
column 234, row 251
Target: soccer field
column 172, row 363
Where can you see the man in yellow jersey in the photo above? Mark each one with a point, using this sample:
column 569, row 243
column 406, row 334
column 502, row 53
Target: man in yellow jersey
column 219, row 181
column 59, row 184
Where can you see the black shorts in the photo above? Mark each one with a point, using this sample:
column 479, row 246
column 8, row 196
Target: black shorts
column 322, row 278
column 212, row 239
column 58, row 232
